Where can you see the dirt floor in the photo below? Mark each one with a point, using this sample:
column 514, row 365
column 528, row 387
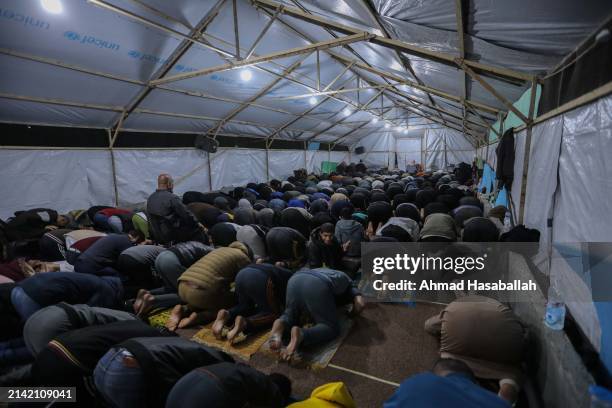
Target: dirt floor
column 386, row 345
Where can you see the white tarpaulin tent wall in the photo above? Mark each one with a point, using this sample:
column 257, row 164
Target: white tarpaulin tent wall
column 72, row 179
column 446, row 147
column 567, row 199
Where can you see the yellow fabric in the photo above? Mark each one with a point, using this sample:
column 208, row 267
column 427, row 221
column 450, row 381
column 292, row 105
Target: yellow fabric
column 331, row 395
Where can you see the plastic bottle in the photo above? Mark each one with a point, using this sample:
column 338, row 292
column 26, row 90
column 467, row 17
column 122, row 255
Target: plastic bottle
column 507, row 222
column 555, row 315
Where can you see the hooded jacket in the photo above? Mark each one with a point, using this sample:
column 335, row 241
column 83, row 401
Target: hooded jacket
column 323, row 255
column 407, row 224
column 350, row 230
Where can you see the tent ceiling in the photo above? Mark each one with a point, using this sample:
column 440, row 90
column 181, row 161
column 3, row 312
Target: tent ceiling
column 93, row 63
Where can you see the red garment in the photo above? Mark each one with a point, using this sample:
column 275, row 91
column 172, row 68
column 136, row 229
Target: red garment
column 12, row 271
column 83, row 244
column 109, row 212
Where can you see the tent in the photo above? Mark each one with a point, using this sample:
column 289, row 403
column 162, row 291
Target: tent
column 97, row 97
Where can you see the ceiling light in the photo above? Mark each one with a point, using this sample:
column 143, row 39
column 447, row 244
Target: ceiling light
column 312, row 100
column 347, row 111
column 246, row 75
column 52, row 6
column 387, row 126
column 375, row 120
column 405, row 130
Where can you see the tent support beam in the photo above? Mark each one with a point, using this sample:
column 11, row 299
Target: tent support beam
column 270, row 139
column 195, row 94
column 145, row 21
column 364, row 106
column 259, row 94
column 462, row 64
column 534, row 88
column 236, row 33
column 113, row 167
column 401, row 46
column 178, row 52
column 266, row 58
column 350, row 132
column 261, row 35
column 475, row 112
column 137, row 110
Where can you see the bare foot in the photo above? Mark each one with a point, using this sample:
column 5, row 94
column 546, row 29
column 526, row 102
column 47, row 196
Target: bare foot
column 175, row 317
column 222, row 318
column 188, row 321
column 276, row 335
column 239, row 326
column 138, row 301
column 146, row 305
column 358, row 305
column 296, row 339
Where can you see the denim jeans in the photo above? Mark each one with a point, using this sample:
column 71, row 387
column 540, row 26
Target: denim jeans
column 120, row 385
column 23, row 304
column 169, row 269
column 256, row 300
column 308, row 294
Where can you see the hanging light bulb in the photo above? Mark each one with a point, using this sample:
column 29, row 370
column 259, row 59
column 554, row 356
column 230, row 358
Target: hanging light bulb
column 405, row 130
column 246, row 75
column 52, row 6
column 375, row 120
column 387, row 126
column 312, row 101
column 346, row 111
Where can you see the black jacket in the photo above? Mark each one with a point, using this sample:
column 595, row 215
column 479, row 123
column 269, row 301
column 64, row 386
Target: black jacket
column 321, row 254
column 504, row 171
column 189, row 252
column 170, row 220
column 165, row 360
column 30, row 224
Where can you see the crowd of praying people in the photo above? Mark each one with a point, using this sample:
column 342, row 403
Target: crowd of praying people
column 80, row 292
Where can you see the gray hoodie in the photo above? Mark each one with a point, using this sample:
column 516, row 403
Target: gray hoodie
column 350, row 230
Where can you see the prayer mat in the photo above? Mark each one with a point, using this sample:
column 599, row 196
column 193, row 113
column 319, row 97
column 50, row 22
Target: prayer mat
column 158, row 318
column 243, row 350
column 319, row 357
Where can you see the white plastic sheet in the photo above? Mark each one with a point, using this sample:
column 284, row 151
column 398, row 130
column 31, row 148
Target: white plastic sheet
column 583, row 202
column 283, row 162
column 137, row 172
column 408, row 150
column 542, row 177
column 59, row 179
column 234, row 167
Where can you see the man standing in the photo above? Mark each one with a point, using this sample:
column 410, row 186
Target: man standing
column 170, row 221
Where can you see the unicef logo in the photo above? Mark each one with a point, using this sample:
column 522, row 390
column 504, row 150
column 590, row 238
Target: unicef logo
column 71, row 35
column 134, row 54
